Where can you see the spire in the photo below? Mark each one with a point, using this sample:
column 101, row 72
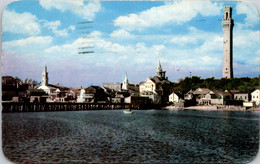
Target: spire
column 45, row 76
column 125, row 83
column 159, row 67
column 159, row 70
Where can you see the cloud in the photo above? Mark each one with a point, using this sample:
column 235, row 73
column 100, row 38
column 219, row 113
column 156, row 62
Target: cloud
column 199, row 41
column 86, row 11
column 183, row 40
column 246, row 46
column 72, row 28
column 252, row 16
column 53, row 25
column 20, row 23
column 179, row 12
column 207, row 60
column 121, row 34
column 28, row 44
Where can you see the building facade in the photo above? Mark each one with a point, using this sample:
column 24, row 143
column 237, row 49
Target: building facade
column 256, row 96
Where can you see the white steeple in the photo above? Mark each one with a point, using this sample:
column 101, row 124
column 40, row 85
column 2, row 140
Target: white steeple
column 125, row 83
column 45, row 76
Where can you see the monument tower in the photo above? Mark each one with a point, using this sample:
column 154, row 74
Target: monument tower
column 228, row 24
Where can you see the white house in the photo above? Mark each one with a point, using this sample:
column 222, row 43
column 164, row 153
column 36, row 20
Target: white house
column 241, row 96
column 174, row 98
column 256, row 96
column 147, row 87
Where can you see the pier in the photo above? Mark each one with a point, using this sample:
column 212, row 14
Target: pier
column 58, row 106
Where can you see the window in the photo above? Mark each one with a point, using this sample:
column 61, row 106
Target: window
column 226, row 15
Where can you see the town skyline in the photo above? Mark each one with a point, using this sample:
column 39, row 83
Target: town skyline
column 127, row 40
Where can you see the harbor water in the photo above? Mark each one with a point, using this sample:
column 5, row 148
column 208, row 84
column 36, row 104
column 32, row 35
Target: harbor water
column 146, row 136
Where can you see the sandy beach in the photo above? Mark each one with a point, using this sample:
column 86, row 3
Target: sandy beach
column 213, row 108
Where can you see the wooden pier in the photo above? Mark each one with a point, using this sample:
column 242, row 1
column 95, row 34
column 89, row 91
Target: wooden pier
column 42, row 107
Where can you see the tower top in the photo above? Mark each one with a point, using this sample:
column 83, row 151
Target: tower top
column 159, row 67
column 45, row 76
column 227, row 13
column 125, row 83
column 159, row 72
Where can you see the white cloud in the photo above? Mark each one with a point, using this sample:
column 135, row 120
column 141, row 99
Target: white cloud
column 199, row 41
column 20, row 23
column 72, row 28
column 178, row 12
column 121, row 34
column 246, row 46
column 86, row 11
column 28, row 44
column 246, row 38
column 211, row 44
column 53, row 25
column 252, row 16
column 207, row 60
column 183, row 40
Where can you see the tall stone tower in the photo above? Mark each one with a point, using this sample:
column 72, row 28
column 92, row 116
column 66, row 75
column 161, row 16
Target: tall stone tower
column 45, row 76
column 228, row 24
column 125, row 83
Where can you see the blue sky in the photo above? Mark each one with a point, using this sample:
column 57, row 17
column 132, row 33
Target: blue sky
column 126, row 36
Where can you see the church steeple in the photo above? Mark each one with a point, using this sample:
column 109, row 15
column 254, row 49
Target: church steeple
column 125, row 83
column 159, row 72
column 45, row 76
column 159, row 68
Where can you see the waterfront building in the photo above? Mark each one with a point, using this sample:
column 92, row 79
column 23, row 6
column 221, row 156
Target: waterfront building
column 233, row 92
column 93, row 94
column 188, row 95
column 56, row 92
column 37, row 95
column 157, row 88
column 120, row 96
column 200, row 96
column 113, row 86
column 174, row 98
column 137, row 101
column 242, row 96
column 228, row 24
column 72, row 94
column 13, row 89
column 256, row 96
column 219, row 97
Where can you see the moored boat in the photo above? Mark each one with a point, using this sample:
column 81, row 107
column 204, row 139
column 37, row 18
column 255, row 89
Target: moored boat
column 128, row 111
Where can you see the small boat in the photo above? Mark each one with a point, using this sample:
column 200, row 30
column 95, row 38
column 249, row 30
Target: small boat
column 128, row 111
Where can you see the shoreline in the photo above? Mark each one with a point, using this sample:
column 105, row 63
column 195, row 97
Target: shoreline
column 212, row 108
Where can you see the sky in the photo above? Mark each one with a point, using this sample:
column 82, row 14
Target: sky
column 125, row 37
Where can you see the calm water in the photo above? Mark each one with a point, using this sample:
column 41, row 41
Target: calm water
column 146, row 136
